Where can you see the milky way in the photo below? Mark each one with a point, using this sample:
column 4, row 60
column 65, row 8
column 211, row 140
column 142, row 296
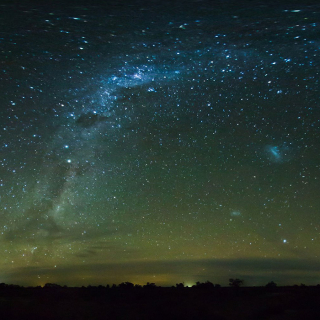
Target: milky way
column 143, row 144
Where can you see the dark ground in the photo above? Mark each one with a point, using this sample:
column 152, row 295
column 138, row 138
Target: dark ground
column 299, row 302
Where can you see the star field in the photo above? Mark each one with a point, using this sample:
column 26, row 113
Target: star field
column 143, row 144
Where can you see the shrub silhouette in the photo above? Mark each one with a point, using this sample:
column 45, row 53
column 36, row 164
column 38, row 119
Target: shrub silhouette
column 180, row 285
column 206, row 285
column 271, row 284
column 126, row 285
column 235, row 283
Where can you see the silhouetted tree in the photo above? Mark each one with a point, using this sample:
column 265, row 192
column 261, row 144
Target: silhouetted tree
column 180, row 285
column 271, row 284
column 235, row 283
column 3, row 285
column 150, row 285
column 206, row 285
column 126, row 285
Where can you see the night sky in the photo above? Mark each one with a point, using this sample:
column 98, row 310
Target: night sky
column 154, row 143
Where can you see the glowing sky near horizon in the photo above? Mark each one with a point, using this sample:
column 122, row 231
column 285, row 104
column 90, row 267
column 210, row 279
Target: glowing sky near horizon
column 144, row 144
